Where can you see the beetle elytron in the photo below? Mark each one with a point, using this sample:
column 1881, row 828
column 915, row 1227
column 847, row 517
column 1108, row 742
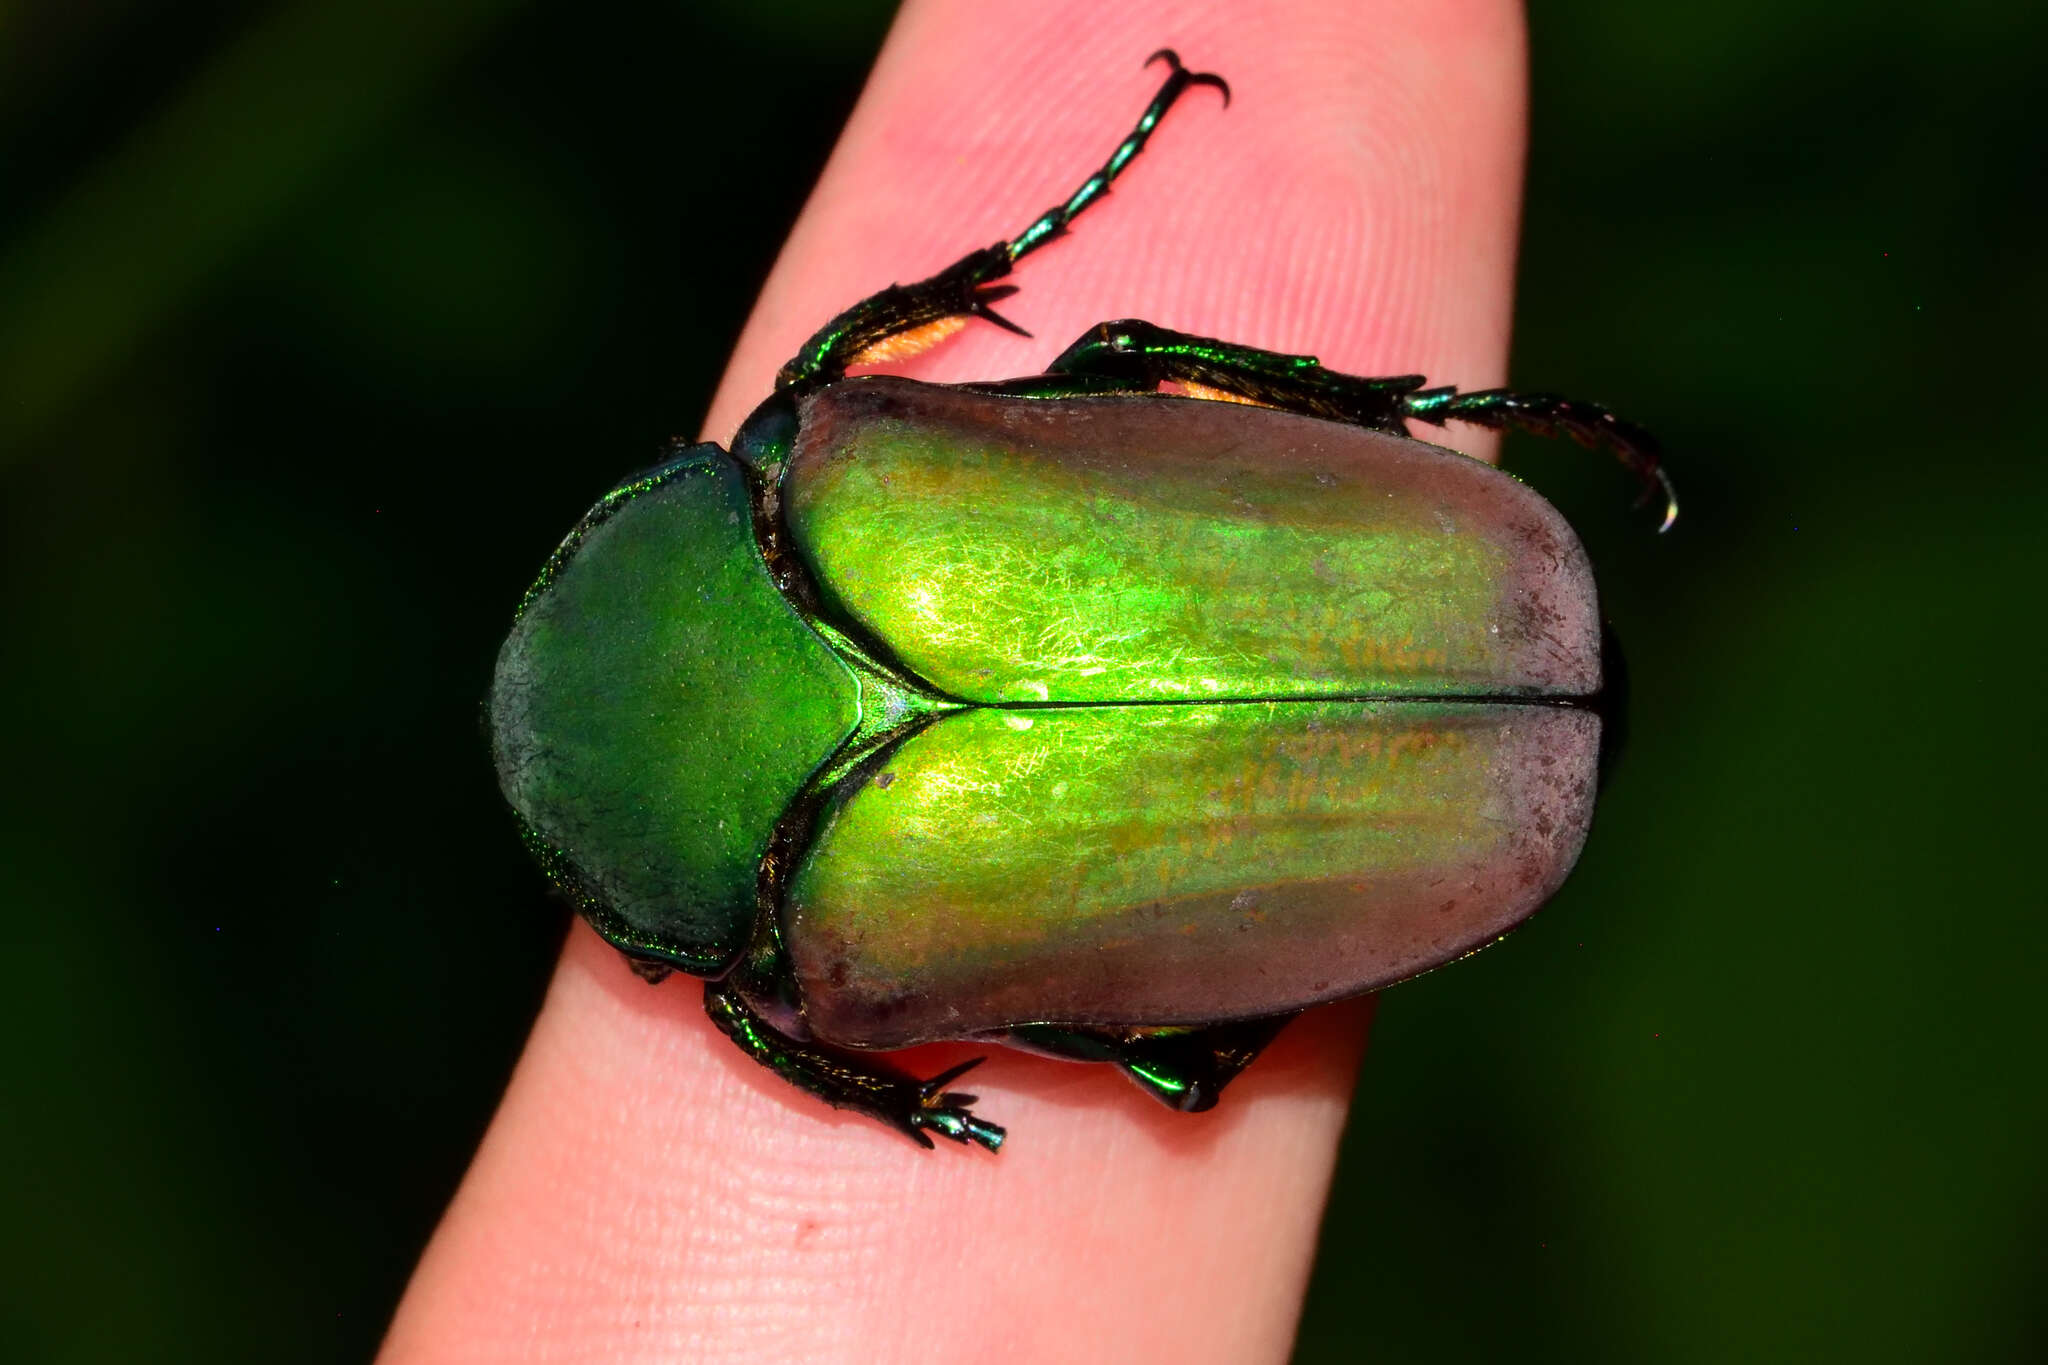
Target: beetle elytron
column 1059, row 711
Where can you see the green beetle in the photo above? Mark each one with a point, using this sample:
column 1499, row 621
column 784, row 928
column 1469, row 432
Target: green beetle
column 1059, row 711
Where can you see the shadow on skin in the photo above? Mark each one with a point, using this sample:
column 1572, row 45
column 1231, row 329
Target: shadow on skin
column 1296, row 1066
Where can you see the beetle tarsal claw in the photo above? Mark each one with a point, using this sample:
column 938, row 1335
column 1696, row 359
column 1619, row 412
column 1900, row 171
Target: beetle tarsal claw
column 1209, row 78
column 1657, row 485
column 981, row 309
column 1670, row 499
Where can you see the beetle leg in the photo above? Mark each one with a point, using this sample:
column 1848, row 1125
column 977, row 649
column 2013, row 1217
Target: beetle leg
column 1144, row 353
column 1052, row 224
column 1141, row 352
column 1183, row 1068
column 1546, row 414
column 912, row 1107
column 865, row 332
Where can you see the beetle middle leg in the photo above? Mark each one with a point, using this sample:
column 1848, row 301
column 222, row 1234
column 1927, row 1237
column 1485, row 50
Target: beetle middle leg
column 1183, row 1068
column 889, row 324
column 1137, row 352
column 912, row 1107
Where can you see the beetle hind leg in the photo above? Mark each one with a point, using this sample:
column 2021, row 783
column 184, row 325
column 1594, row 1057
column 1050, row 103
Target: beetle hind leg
column 917, row 1109
column 1185, row 1069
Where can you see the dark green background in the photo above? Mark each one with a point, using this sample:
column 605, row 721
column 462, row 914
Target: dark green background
column 318, row 323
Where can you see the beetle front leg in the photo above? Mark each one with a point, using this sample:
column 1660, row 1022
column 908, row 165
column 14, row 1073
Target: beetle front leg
column 901, row 320
column 912, row 1107
column 1185, row 1069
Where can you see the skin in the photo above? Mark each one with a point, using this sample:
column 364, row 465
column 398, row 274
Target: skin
column 645, row 1192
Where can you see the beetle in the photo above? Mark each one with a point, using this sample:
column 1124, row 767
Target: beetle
column 1060, row 712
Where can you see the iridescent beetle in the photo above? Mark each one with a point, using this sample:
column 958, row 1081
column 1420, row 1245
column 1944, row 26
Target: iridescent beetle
column 1059, row 711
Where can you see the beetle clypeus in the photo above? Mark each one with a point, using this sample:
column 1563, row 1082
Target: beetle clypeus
column 1059, row 711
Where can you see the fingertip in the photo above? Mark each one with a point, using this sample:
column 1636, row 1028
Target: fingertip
column 648, row 1189
column 1360, row 201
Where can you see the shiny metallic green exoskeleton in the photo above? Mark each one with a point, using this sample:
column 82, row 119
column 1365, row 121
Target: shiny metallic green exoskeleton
column 1059, row 711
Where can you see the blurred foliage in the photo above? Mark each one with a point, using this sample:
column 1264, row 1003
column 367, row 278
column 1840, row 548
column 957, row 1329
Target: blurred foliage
column 314, row 317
